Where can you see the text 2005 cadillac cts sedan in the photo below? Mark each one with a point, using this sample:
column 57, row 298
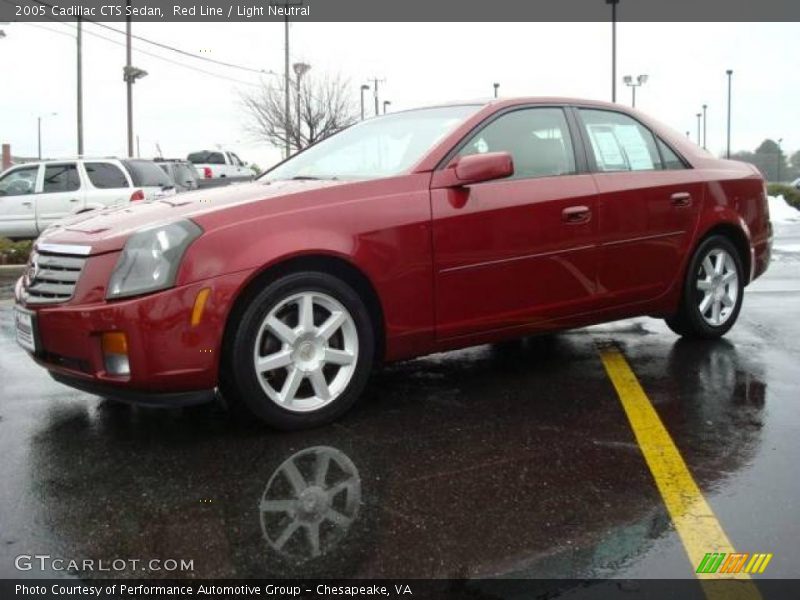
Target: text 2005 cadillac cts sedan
column 416, row 232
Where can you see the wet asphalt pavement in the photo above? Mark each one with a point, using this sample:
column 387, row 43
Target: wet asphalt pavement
column 514, row 460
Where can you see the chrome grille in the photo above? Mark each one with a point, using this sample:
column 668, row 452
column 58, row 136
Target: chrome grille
column 51, row 278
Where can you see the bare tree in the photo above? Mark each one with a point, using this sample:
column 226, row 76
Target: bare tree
column 324, row 104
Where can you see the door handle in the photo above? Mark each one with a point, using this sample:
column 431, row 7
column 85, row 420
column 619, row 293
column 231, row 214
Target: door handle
column 73, row 200
column 576, row 215
column 27, row 203
column 681, row 199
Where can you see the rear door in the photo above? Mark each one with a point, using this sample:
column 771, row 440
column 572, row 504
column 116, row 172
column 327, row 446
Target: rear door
column 17, row 195
column 649, row 204
column 108, row 185
column 62, row 193
column 513, row 252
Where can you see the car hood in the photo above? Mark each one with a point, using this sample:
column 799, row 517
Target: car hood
column 107, row 230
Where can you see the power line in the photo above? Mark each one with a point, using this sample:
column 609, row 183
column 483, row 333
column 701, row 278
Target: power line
column 157, row 56
column 185, row 53
column 167, row 46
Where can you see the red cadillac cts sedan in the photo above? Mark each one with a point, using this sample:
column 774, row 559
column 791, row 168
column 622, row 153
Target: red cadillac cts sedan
column 411, row 233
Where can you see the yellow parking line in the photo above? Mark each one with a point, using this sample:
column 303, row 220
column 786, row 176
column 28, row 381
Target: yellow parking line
column 695, row 522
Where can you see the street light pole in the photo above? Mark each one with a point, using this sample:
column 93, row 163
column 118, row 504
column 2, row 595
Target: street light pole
column 80, row 86
column 496, row 86
column 129, row 75
column 729, row 72
column 300, row 69
column 364, row 88
column 699, row 116
column 640, row 80
column 385, row 104
column 39, row 132
column 780, row 160
column 613, row 4
column 705, row 124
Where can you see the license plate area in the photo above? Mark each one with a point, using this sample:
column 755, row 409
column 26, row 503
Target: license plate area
column 25, row 327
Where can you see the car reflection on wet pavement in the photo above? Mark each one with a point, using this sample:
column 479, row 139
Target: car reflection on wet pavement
column 513, row 460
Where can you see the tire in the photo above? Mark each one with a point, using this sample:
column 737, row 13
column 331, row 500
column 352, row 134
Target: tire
column 708, row 312
column 313, row 339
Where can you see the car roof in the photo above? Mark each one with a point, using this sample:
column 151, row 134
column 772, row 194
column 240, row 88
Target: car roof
column 514, row 101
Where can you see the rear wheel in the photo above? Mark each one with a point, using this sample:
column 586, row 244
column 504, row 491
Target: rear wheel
column 301, row 352
column 712, row 292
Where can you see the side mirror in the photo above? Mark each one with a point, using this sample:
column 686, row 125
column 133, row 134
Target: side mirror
column 476, row 168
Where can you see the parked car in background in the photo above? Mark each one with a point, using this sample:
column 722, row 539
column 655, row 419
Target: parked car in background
column 181, row 172
column 416, row 232
column 33, row 196
column 219, row 167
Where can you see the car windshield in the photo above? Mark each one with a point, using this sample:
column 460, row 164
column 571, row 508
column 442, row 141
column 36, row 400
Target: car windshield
column 380, row 147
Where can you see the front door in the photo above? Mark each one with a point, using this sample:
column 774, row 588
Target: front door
column 519, row 251
column 17, row 193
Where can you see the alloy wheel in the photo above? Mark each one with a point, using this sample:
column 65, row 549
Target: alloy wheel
column 717, row 286
column 306, row 351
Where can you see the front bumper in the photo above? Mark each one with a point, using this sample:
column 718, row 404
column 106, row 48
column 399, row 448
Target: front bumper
column 165, row 399
column 172, row 362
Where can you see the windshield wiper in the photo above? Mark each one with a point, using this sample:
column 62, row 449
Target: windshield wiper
column 310, row 178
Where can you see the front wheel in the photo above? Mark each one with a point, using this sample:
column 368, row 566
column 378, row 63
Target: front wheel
column 300, row 353
column 712, row 292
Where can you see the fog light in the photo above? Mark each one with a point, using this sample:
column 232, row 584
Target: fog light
column 115, row 353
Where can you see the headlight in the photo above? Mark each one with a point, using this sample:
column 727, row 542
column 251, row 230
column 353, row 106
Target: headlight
column 150, row 259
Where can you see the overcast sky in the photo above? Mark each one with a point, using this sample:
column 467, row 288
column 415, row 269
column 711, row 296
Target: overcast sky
column 422, row 63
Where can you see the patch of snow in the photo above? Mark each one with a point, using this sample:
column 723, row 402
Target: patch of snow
column 781, row 212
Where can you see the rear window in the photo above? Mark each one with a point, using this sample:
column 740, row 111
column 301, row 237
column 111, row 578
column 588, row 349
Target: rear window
column 185, row 173
column 105, row 175
column 206, row 157
column 145, row 173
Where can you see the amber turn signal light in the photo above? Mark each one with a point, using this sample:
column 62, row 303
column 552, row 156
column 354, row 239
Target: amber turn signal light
column 199, row 306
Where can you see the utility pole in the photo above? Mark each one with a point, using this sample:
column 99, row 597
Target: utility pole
column 80, row 87
column 129, row 80
column 613, row 4
column 287, row 124
column 729, row 72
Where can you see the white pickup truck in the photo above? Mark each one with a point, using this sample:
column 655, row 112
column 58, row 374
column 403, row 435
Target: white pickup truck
column 35, row 195
column 219, row 167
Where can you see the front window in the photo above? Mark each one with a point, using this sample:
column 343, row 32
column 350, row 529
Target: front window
column 19, row 182
column 537, row 139
column 380, row 147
